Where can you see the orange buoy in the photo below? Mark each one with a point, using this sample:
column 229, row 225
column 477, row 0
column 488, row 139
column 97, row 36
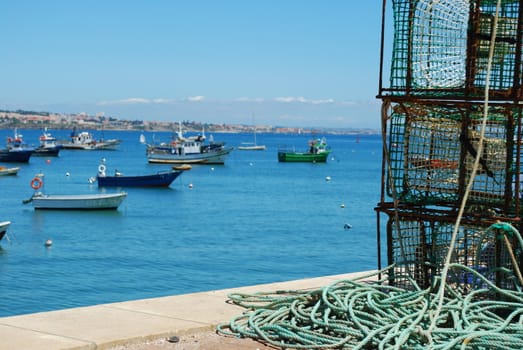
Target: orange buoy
column 36, row 183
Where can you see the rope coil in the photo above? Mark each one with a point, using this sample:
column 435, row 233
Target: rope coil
column 357, row 314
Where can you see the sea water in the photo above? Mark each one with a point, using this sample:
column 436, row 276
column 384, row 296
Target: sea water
column 252, row 220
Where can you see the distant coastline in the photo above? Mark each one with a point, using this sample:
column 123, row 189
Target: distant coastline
column 38, row 120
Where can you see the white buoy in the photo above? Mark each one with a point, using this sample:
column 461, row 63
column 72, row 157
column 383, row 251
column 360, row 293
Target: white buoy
column 212, row 169
column 328, row 178
column 48, row 243
column 342, row 205
column 67, row 174
column 190, row 185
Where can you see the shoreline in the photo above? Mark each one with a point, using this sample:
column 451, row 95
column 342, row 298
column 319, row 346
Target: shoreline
column 144, row 324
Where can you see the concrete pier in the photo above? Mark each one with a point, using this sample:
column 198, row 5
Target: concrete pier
column 108, row 325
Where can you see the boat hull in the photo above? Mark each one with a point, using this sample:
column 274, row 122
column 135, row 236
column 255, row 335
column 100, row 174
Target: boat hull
column 3, row 228
column 213, row 157
column 302, row 157
column 161, row 179
column 47, row 151
column 106, row 145
column 252, row 148
column 9, row 171
column 15, row 156
column 109, row 201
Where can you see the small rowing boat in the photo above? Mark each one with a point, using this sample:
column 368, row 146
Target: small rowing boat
column 90, row 201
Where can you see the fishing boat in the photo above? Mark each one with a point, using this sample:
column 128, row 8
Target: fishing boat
column 85, row 141
column 90, row 201
column 4, row 171
column 15, row 156
column 96, row 201
column 159, row 179
column 48, row 147
column 317, row 152
column 251, row 146
column 188, row 150
column 16, row 151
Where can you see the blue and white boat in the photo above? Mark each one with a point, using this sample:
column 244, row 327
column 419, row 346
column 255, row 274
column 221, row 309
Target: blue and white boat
column 16, row 151
column 159, row 179
column 48, row 145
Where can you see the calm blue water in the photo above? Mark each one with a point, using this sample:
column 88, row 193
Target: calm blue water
column 250, row 221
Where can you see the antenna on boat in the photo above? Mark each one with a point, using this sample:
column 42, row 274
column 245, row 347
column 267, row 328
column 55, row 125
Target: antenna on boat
column 180, row 132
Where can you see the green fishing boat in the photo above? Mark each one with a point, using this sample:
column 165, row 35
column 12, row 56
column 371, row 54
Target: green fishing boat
column 318, row 152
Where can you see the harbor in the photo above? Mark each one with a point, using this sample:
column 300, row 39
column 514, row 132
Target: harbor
column 214, row 227
column 134, row 324
column 409, row 239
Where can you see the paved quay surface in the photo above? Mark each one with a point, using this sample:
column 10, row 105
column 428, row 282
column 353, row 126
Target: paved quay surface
column 143, row 324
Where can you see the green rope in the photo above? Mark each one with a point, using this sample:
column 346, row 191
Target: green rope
column 354, row 314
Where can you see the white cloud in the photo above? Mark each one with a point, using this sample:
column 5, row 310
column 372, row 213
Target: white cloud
column 163, row 100
column 138, row 100
column 303, row 100
column 195, row 98
column 321, row 102
column 285, row 99
column 128, row 101
column 249, row 99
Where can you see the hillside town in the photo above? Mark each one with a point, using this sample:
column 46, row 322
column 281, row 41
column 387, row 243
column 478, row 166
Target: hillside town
column 38, row 120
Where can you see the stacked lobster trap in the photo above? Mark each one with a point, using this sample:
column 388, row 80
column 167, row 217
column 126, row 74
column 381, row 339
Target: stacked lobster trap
column 455, row 96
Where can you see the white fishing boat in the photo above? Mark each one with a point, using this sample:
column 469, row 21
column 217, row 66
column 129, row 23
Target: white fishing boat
column 9, row 171
column 188, row 150
column 85, row 141
column 96, row 201
column 90, row 201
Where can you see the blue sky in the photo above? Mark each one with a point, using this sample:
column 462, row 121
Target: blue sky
column 277, row 62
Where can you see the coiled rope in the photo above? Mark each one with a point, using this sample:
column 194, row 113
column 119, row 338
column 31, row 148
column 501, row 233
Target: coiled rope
column 358, row 314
